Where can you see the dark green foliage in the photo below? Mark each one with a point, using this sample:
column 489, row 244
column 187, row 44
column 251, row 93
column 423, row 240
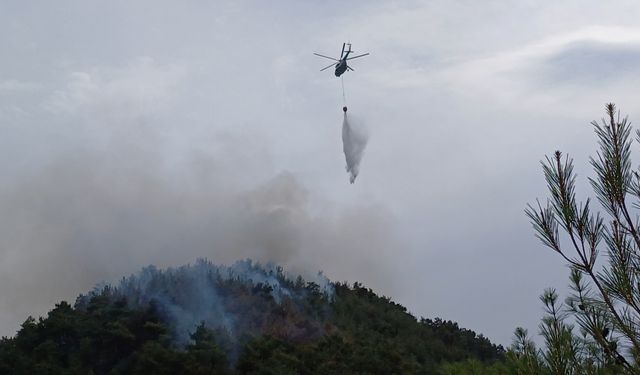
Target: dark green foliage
column 68, row 340
column 475, row 367
column 604, row 294
column 353, row 332
column 386, row 335
column 204, row 354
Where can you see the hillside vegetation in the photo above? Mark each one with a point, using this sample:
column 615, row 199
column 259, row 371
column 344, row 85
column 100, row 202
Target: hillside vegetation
column 243, row 319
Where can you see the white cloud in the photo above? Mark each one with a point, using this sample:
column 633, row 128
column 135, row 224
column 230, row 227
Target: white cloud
column 559, row 73
column 13, row 86
column 140, row 88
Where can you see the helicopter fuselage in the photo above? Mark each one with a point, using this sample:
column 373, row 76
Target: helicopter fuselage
column 341, row 66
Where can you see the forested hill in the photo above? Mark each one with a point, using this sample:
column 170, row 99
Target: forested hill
column 241, row 319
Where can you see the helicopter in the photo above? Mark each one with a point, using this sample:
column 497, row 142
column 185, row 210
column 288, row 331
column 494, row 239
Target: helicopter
column 341, row 64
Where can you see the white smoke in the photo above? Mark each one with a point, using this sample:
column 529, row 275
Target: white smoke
column 216, row 295
column 354, row 141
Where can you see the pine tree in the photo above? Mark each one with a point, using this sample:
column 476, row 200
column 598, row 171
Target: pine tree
column 605, row 297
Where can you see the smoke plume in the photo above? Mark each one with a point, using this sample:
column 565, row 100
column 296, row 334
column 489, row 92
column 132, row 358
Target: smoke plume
column 109, row 176
column 91, row 217
column 235, row 299
column 354, row 141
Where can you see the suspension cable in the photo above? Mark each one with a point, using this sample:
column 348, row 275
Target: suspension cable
column 344, row 98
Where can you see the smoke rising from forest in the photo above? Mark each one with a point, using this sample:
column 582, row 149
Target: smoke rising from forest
column 354, row 142
column 90, row 216
column 221, row 297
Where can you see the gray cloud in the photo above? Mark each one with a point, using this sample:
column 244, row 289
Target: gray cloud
column 590, row 63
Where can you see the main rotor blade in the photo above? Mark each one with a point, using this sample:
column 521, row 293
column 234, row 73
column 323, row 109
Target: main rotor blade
column 327, row 67
column 350, row 68
column 355, row 57
column 341, row 53
column 326, row 57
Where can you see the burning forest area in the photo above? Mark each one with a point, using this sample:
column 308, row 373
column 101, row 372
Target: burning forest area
column 237, row 319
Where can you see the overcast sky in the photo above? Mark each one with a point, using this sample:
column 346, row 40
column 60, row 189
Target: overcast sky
column 157, row 132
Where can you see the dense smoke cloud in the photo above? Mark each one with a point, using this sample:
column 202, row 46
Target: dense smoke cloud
column 90, row 216
column 123, row 175
column 354, row 141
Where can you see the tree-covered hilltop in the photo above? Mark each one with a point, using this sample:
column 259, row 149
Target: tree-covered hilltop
column 243, row 319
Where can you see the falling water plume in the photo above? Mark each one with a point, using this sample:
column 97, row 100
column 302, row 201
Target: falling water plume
column 354, row 140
